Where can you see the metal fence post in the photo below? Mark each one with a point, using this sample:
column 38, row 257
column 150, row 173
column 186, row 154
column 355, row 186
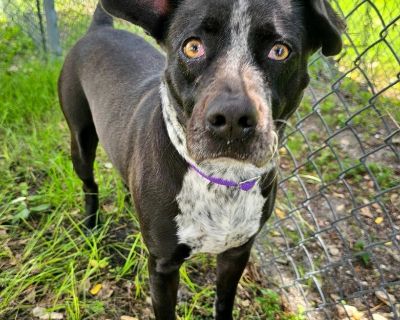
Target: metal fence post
column 42, row 33
column 53, row 36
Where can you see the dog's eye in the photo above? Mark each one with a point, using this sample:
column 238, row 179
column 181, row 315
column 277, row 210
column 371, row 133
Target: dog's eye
column 279, row 52
column 193, row 48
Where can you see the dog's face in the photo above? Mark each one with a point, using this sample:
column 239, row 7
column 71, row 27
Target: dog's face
column 233, row 67
column 236, row 68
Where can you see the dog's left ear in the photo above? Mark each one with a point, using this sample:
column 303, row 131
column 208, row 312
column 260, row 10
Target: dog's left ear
column 151, row 15
column 325, row 27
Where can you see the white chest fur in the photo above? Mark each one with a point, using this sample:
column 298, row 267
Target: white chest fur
column 216, row 218
column 213, row 218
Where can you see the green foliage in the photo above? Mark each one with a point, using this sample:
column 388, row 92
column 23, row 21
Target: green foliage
column 385, row 176
column 13, row 43
column 378, row 62
column 329, row 167
column 271, row 305
column 96, row 308
column 28, row 92
column 361, row 254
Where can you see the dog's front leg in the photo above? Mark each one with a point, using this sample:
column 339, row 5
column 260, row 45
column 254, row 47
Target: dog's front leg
column 230, row 266
column 164, row 288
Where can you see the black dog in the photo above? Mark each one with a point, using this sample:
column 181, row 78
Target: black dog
column 193, row 134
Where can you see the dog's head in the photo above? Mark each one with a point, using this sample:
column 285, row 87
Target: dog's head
column 236, row 69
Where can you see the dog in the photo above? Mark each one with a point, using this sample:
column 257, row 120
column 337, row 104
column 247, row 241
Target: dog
column 194, row 133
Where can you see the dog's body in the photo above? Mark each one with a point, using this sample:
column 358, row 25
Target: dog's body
column 184, row 136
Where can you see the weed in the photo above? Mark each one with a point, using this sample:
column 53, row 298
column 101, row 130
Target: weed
column 363, row 256
column 271, row 307
column 14, row 43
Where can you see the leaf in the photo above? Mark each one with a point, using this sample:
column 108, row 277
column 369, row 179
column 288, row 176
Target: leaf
column 96, row 289
column 340, row 207
column 18, row 200
column 56, row 316
column 42, row 313
column 34, row 197
column 94, row 263
column 310, row 177
column 38, row 312
column 366, row 212
column 23, row 214
column 334, row 251
column 378, row 316
column 386, row 298
column 365, row 258
column 106, row 290
column 108, row 165
column 359, row 245
column 98, row 264
column 103, row 263
column 280, row 213
column 379, row 220
column 346, row 311
column 245, row 303
column 42, row 207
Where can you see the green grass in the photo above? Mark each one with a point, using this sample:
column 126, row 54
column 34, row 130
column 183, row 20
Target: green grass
column 378, row 62
column 47, row 257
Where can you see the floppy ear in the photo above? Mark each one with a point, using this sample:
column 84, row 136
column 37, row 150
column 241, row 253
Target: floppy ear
column 325, row 27
column 151, row 15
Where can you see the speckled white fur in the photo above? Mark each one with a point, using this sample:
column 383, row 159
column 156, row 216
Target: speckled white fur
column 238, row 51
column 215, row 218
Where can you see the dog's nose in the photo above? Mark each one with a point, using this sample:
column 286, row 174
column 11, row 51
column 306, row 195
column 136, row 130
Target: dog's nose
column 232, row 121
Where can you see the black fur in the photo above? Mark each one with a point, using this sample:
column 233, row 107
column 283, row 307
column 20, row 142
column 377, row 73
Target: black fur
column 109, row 92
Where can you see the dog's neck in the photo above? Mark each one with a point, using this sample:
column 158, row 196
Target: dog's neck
column 223, row 168
column 175, row 130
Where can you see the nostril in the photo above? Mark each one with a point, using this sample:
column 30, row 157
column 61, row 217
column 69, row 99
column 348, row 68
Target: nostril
column 246, row 122
column 218, row 120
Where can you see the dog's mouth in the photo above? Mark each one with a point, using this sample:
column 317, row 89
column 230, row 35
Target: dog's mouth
column 258, row 149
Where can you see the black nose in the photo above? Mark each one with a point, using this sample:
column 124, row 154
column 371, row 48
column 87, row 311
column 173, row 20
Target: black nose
column 232, row 120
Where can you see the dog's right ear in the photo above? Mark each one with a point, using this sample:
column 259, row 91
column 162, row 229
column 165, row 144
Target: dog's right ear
column 325, row 26
column 151, row 15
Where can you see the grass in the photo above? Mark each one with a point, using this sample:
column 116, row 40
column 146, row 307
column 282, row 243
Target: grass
column 47, row 258
column 376, row 50
column 345, row 103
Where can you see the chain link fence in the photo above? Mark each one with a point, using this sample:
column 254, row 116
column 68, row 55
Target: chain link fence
column 53, row 25
column 332, row 247
column 29, row 17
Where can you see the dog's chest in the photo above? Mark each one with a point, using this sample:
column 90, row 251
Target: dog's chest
column 216, row 218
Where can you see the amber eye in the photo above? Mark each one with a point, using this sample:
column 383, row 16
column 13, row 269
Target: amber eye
column 193, row 48
column 279, row 52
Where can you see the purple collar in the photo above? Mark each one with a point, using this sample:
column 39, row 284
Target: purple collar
column 244, row 185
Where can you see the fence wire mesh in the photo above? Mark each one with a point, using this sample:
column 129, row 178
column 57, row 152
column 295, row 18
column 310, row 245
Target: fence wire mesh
column 29, row 17
column 332, row 247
